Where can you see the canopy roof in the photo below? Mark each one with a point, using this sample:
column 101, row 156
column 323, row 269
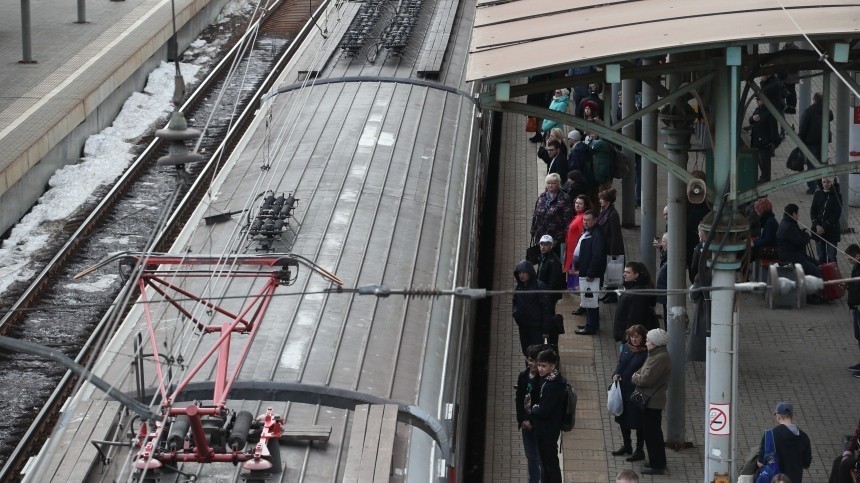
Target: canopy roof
column 514, row 38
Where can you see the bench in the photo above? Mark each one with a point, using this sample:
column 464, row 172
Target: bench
column 299, row 434
column 432, row 53
column 371, row 443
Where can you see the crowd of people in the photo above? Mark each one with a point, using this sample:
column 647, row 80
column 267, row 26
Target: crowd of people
column 576, row 212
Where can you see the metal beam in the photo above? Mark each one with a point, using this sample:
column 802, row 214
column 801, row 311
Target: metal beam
column 796, row 179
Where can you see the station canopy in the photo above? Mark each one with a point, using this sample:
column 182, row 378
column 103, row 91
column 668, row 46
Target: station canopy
column 515, row 38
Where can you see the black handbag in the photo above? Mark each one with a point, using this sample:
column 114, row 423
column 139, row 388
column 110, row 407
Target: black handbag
column 533, row 254
column 796, row 160
column 639, row 399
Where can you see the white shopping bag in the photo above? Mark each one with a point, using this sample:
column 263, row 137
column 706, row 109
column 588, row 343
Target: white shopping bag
column 614, row 269
column 588, row 293
column 614, row 399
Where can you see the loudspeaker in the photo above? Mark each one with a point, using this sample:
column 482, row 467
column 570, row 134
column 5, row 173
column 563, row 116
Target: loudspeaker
column 696, row 191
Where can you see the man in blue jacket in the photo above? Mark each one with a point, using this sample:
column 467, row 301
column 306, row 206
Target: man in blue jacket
column 590, row 263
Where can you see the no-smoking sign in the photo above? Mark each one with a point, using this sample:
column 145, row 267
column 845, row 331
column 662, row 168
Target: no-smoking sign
column 718, row 419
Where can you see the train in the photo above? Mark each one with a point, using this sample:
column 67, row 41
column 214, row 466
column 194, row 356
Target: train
column 269, row 345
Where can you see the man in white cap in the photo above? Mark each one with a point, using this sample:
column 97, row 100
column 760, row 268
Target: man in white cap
column 578, row 155
column 549, row 268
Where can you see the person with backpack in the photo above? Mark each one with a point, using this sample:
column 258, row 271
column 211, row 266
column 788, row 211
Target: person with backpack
column 602, row 159
column 547, row 414
column 652, row 380
column 793, row 449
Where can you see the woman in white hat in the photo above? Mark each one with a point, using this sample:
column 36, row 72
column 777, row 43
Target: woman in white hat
column 652, row 380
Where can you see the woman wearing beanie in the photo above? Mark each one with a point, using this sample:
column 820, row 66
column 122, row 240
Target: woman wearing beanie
column 653, row 380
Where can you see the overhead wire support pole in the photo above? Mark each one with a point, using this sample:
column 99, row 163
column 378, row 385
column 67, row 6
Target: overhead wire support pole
column 677, row 119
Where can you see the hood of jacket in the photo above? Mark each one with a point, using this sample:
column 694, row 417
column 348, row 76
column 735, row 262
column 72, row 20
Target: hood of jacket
column 525, row 266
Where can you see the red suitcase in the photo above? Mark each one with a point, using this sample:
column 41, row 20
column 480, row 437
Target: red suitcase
column 830, row 271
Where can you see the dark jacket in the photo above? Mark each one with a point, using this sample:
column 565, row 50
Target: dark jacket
column 531, row 309
column 592, row 254
column 552, row 217
column 853, row 288
column 633, row 308
column 610, row 224
column 577, row 159
column 773, row 89
column 526, row 385
column 550, row 273
column 547, row 414
column 825, row 212
column 543, row 154
column 629, row 362
column 662, row 281
column 791, row 240
column 810, row 127
column 557, row 165
column 764, row 133
column 769, row 226
column 653, row 378
column 793, row 451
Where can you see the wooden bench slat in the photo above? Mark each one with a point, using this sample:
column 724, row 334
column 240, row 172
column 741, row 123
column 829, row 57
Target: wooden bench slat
column 356, row 443
column 386, row 444
column 371, row 444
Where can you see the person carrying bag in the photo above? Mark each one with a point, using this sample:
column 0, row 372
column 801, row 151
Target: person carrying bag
column 771, row 464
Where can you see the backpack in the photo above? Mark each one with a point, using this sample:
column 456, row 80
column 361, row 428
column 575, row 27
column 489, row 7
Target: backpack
column 602, row 160
column 620, row 164
column 569, row 419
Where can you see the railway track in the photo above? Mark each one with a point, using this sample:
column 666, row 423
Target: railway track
column 143, row 184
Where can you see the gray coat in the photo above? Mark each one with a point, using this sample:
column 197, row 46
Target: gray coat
column 653, row 378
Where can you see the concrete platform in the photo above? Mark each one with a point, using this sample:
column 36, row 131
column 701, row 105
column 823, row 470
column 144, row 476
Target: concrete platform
column 795, row 355
column 82, row 74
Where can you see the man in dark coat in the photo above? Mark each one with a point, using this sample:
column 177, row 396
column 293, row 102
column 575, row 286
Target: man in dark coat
column 532, row 311
column 825, row 212
column 590, row 264
column 578, row 156
column 793, row 449
column 546, row 415
column 810, row 133
column 764, row 136
column 555, row 161
column 549, row 268
column 791, row 241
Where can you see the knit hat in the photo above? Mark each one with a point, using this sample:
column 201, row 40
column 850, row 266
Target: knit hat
column 574, row 135
column 658, row 337
column 784, row 409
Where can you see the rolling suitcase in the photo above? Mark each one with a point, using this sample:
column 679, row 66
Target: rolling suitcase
column 830, row 271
